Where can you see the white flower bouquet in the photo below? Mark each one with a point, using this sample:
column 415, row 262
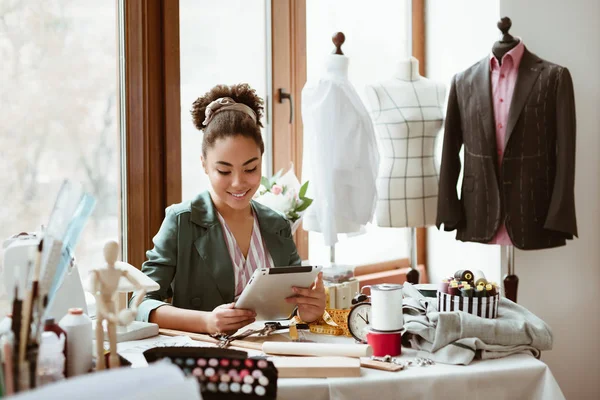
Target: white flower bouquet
column 283, row 193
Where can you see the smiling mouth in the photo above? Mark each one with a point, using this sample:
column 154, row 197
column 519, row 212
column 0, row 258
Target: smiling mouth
column 238, row 195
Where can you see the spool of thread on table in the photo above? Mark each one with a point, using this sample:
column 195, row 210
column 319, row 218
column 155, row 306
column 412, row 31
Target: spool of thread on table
column 385, row 343
column 386, row 307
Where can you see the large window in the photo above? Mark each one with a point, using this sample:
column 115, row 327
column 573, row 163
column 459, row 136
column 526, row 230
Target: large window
column 58, row 107
column 377, row 37
column 216, row 53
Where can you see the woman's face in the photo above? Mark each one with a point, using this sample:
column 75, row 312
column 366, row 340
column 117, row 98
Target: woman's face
column 233, row 165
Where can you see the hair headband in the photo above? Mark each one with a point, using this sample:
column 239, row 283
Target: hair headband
column 226, row 103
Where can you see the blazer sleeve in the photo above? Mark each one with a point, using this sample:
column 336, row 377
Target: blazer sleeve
column 449, row 207
column 160, row 266
column 561, row 213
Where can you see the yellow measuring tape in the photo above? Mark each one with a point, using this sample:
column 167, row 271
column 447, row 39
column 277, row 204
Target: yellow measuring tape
column 333, row 322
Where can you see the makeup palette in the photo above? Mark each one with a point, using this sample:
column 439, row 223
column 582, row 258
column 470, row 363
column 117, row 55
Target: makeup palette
column 222, row 373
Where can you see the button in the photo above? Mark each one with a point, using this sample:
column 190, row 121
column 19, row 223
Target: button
column 501, row 100
column 502, row 76
column 500, row 125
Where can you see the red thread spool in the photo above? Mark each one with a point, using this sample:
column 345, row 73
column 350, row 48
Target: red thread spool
column 385, row 343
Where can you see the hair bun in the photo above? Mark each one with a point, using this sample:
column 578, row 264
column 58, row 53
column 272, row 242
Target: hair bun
column 240, row 93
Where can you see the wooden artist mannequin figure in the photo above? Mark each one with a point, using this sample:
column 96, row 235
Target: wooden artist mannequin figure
column 104, row 284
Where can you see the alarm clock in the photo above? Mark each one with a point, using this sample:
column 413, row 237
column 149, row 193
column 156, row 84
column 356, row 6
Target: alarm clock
column 359, row 321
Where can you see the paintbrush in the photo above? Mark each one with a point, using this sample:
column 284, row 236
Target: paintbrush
column 29, row 302
column 17, row 309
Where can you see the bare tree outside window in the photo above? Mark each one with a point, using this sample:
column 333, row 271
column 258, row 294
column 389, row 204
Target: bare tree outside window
column 58, row 107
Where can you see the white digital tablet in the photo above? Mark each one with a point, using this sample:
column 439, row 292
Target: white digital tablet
column 268, row 288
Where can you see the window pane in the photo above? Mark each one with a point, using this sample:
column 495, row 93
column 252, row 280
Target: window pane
column 216, row 53
column 377, row 37
column 58, row 107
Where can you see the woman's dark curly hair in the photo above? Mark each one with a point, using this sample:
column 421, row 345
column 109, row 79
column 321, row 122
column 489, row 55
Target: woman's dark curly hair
column 228, row 122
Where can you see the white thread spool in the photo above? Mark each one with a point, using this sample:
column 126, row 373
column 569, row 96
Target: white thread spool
column 386, row 307
column 78, row 327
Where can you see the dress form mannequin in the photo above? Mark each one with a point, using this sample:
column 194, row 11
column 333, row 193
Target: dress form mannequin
column 407, row 112
column 340, row 157
column 507, row 43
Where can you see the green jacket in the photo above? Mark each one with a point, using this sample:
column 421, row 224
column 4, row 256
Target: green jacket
column 190, row 260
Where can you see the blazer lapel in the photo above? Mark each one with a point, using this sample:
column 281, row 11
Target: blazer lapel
column 211, row 246
column 482, row 87
column 529, row 71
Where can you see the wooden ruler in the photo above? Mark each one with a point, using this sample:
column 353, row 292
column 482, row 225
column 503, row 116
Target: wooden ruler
column 207, row 339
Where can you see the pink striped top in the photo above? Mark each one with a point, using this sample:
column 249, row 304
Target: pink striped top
column 258, row 255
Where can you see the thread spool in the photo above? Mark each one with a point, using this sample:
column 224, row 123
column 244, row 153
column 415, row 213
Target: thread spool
column 479, row 277
column 464, row 275
column 386, row 307
column 385, row 343
column 78, row 327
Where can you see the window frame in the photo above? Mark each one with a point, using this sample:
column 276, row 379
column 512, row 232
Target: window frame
column 151, row 131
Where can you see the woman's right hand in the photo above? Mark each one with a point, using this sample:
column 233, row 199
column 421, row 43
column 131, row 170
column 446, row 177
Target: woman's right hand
column 226, row 319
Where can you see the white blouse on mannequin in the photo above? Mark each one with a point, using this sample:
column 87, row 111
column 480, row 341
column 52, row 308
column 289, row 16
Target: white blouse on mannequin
column 340, row 157
column 408, row 114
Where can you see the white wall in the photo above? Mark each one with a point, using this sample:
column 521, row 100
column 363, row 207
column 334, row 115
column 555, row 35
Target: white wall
column 459, row 33
column 568, row 33
column 557, row 284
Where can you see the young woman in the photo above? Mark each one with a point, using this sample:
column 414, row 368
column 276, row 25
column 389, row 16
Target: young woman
column 207, row 248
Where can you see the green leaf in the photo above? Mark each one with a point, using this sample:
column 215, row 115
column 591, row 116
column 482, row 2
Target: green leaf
column 265, row 182
column 305, row 204
column 303, row 190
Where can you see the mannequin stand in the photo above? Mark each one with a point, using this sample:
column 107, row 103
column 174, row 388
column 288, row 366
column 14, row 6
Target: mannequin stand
column 511, row 281
column 413, row 275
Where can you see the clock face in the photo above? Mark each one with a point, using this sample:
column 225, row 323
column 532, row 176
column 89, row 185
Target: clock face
column 359, row 321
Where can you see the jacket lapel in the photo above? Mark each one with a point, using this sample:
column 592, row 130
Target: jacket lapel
column 529, row 71
column 482, row 88
column 211, row 246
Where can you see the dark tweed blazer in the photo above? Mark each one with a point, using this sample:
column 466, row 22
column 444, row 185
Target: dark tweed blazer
column 533, row 190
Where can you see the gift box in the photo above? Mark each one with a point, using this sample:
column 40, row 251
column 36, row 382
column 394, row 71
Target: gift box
column 484, row 307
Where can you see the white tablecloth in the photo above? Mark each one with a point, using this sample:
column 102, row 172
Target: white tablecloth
column 516, row 377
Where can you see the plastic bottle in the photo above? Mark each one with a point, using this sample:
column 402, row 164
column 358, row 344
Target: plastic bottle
column 78, row 327
column 51, row 359
column 51, row 326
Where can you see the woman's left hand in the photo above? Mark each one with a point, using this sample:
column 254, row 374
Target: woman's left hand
column 310, row 301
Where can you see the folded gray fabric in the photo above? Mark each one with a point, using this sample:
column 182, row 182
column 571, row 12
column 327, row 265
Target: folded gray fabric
column 458, row 337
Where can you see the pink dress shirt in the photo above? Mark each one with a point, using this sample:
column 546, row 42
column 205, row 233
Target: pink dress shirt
column 504, row 79
column 258, row 255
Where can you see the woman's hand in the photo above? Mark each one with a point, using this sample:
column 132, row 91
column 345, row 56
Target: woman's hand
column 311, row 302
column 226, row 319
